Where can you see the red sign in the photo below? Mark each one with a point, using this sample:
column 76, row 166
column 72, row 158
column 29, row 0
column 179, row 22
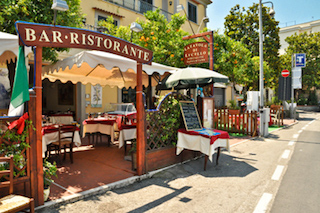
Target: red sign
column 196, row 53
column 285, row 73
column 33, row 34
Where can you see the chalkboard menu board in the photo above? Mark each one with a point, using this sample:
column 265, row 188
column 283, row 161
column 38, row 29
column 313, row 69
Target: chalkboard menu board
column 190, row 115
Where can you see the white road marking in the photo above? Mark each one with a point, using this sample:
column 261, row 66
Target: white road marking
column 303, row 128
column 263, row 203
column 311, row 122
column 299, row 131
column 291, row 143
column 295, row 136
column 277, row 173
column 286, row 154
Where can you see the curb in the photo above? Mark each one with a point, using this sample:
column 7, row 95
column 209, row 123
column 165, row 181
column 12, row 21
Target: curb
column 122, row 183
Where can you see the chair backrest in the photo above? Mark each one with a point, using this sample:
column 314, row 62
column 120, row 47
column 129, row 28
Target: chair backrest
column 7, row 172
column 65, row 129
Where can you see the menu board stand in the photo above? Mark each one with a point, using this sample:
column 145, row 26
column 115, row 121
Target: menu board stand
column 207, row 112
column 190, row 115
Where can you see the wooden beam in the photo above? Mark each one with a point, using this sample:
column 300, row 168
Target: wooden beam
column 35, row 113
column 141, row 132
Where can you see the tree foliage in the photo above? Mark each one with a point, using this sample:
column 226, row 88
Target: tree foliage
column 233, row 59
column 309, row 44
column 162, row 37
column 38, row 11
column 243, row 25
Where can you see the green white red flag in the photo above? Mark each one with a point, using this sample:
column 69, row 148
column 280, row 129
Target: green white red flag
column 20, row 91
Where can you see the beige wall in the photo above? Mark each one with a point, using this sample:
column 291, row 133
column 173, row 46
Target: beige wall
column 109, row 95
column 127, row 16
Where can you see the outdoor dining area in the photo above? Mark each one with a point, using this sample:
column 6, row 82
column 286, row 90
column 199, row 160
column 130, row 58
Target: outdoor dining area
column 93, row 145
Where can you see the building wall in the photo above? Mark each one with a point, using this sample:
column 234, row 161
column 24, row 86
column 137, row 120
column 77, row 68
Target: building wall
column 125, row 17
column 309, row 27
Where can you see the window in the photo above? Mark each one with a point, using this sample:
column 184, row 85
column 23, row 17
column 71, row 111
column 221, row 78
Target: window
column 192, row 12
column 103, row 18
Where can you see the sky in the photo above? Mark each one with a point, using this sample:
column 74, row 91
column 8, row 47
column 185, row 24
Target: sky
column 288, row 12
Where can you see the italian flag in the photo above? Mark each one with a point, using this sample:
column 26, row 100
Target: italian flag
column 20, row 91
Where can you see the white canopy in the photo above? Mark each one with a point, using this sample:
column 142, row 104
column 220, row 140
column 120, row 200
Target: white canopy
column 102, row 68
column 194, row 76
column 9, row 47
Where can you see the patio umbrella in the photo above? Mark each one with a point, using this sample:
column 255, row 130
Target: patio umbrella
column 190, row 77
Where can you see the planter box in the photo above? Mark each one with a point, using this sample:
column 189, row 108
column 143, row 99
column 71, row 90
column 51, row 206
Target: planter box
column 164, row 157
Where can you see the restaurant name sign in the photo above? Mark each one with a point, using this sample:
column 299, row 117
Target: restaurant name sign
column 41, row 35
column 196, row 53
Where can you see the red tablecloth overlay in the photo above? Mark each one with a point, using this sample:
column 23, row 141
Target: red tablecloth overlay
column 127, row 126
column 55, row 128
column 212, row 136
column 99, row 121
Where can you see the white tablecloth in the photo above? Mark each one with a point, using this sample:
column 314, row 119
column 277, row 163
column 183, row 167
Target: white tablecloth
column 200, row 143
column 63, row 119
column 48, row 138
column 127, row 134
column 107, row 129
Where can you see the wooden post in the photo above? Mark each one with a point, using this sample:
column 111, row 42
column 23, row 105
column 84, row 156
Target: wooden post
column 35, row 112
column 141, row 133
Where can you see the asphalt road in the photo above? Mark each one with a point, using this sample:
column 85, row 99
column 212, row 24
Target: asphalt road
column 300, row 187
column 247, row 179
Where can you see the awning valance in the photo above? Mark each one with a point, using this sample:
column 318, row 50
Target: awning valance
column 96, row 67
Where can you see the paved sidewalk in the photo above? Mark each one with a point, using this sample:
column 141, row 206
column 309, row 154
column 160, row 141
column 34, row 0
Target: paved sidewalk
column 57, row 205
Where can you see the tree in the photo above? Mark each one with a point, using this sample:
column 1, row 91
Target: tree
column 38, row 11
column 233, row 59
column 309, row 44
column 243, row 25
column 162, row 37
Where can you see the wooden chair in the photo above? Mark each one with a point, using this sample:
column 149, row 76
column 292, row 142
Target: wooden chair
column 64, row 141
column 12, row 202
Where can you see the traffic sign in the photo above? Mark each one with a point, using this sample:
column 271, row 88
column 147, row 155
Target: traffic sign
column 285, row 73
column 300, row 60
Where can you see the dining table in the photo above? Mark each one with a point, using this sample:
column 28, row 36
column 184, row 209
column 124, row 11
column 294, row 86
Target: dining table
column 127, row 132
column 61, row 118
column 207, row 141
column 50, row 133
column 100, row 125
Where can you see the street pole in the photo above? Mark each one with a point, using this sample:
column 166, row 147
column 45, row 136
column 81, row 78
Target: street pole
column 261, row 54
column 292, row 89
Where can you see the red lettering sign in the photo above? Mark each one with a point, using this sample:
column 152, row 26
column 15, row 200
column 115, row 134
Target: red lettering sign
column 196, row 53
column 33, row 34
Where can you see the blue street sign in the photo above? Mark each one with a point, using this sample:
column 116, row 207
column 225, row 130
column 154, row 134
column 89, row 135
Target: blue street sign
column 300, row 60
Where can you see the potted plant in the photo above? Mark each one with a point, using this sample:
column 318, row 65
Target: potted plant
column 14, row 141
column 49, row 170
column 233, row 108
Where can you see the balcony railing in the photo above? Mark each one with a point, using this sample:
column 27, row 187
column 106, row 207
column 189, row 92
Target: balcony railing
column 139, row 6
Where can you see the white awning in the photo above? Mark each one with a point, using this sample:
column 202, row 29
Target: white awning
column 9, row 47
column 96, row 67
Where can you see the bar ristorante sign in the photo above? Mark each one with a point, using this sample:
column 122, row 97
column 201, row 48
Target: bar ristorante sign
column 33, row 34
column 196, row 53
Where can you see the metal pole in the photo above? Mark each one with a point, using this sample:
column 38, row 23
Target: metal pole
column 261, row 53
column 292, row 89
